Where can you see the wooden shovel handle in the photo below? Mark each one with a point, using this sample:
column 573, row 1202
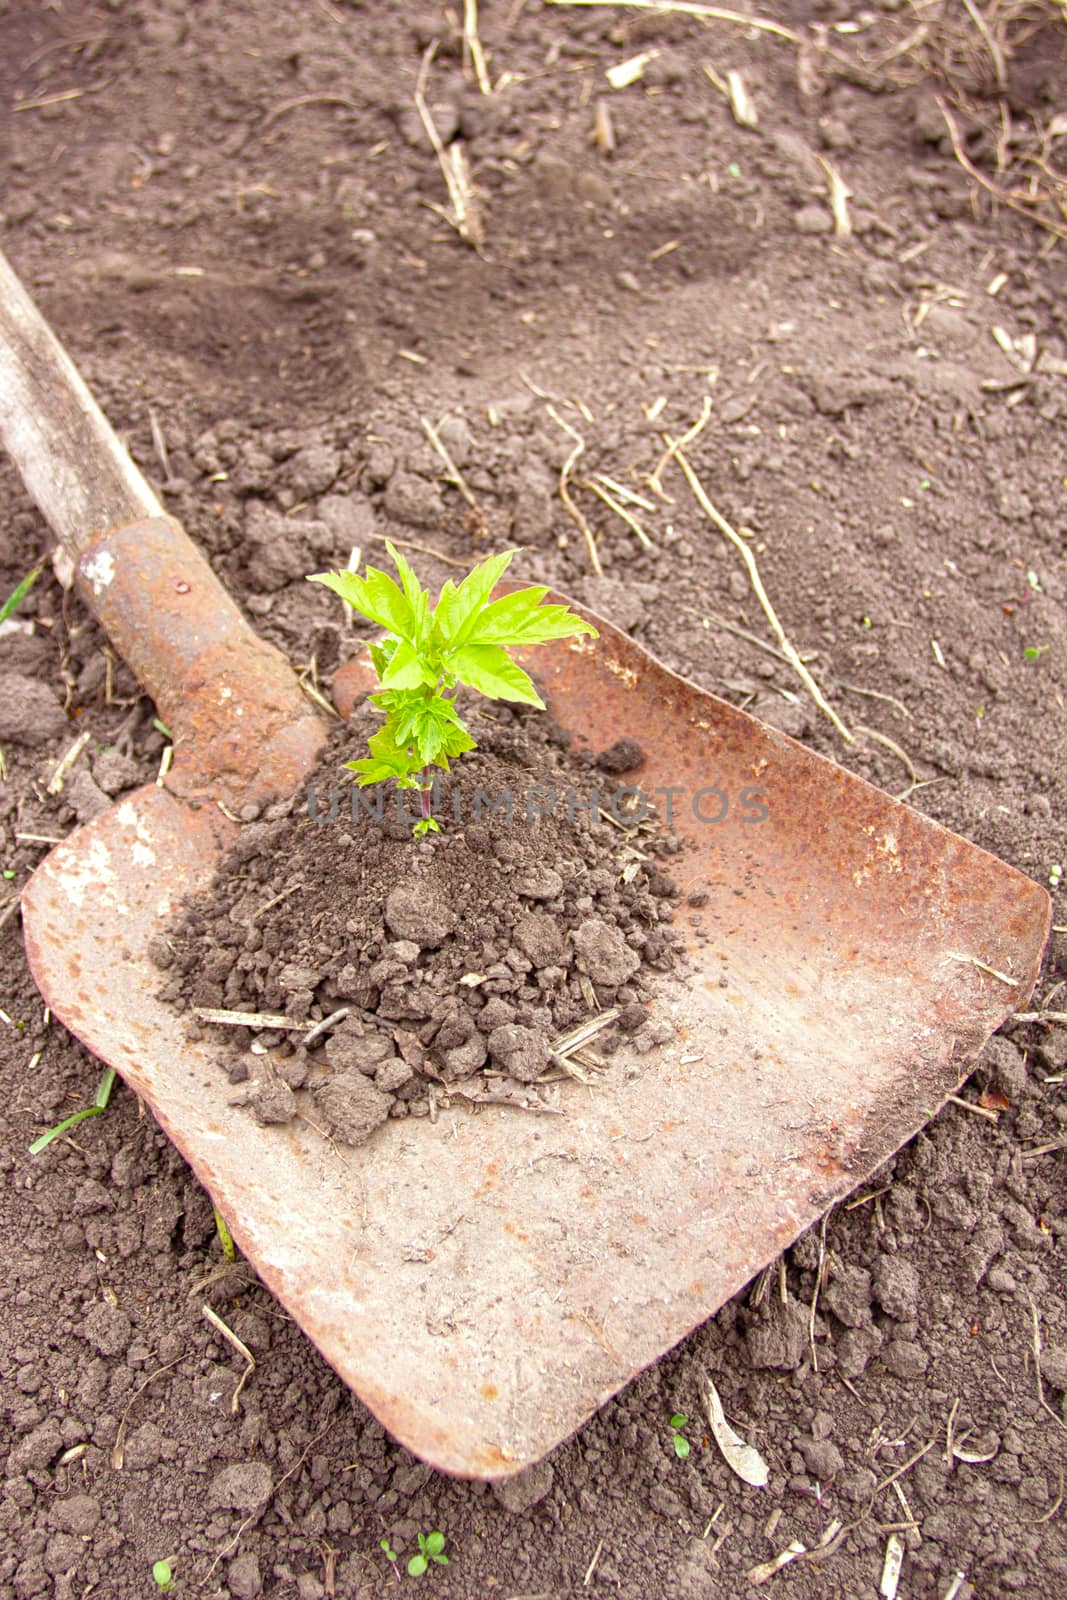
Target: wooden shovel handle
column 242, row 728
column 71, row 462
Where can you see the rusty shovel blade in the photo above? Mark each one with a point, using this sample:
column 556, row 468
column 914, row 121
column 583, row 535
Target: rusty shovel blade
column 486, row 1283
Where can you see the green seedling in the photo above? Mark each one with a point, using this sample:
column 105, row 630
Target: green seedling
column 229, row 1249
column 163, row 1573
column 103, row 1095
column 390, row 1553
column 429, row 651
column 17, row 596
column 431, row 1548
column 1034, row 652
column 1055, row 875
column 678, row 1439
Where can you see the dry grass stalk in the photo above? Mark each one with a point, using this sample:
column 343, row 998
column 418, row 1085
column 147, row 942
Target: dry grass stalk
column 675, row 449
column 687, row 8
column 839, row 195
column 1036, row 202
column 238, row 1345
column 465, row 216
column 575, row 511
column 621, row 511
column 603, row 134
column 453, row 473
column 733, row 89
column 472, row 45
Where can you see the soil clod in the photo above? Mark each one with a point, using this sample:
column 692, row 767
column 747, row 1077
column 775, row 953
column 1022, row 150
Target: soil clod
column 444, row 967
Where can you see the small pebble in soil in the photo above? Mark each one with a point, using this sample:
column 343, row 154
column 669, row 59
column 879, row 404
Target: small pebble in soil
column 625, row 755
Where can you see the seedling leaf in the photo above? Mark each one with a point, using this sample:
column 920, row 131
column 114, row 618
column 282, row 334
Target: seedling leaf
column 229, row 1249
column 17, row 596
column 406, row 669
column 103, row 1095
column 417, row 597
column 457, row 617
column 520, row 618
column 431, row 1548
column 485, row 667
column 375, row 597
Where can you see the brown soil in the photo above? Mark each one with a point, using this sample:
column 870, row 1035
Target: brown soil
column 459, row 966
column 228, row 215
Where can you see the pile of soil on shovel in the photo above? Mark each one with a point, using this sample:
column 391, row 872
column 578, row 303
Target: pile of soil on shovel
column 456, row 965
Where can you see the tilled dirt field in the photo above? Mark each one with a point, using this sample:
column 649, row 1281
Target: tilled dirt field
column 234, row 218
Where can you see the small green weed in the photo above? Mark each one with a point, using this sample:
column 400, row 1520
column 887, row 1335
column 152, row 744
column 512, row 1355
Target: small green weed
column 103, row 1095
column 390, row 1553
column 431, row 1549
column 163, row 1573
column 17, row 596
column 429, row 651
column 678, row 1438
column 229, row 1249
column 1034, row 652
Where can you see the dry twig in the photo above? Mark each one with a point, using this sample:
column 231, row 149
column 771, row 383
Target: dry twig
column 465, row 217
column 890, row 744
column 423, row 550
column 565, row 495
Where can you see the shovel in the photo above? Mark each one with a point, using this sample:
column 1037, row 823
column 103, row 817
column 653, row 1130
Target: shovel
column 485, row 1283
